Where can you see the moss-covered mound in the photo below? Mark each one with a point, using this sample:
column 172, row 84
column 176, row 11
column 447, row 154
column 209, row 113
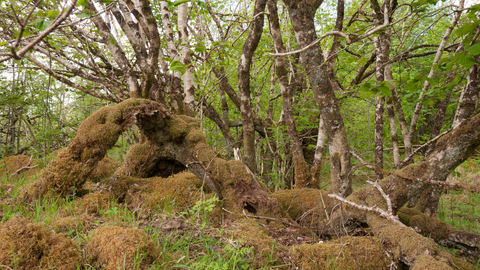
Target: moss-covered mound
column 181, row 190
column 266, row 249
column 344, row 253
column 18, row 166
column 28, row 245
column 309, row 207
column 115, row 248
column 105, row 168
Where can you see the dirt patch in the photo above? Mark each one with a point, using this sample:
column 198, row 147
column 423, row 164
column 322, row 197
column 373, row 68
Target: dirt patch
column 114, row 247
column 343, row 253
column 28, row 245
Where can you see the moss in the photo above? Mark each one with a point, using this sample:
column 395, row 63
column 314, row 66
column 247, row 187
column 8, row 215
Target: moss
column 12, row 164
column 67, row 224
column 314, row 202
column 180, row 190
column 178, row 128
column 92, row 203
column 105, row 168
column 139, row 160
column 195, row 136
column 251, row 234
column 427, row 262
column 29, row 245
column 114, row 247
column 97, row 134
column 344, row 253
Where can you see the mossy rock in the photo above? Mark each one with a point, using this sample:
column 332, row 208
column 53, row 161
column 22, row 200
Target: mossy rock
column 343, row 253
column 114, row 247
column 28, row 245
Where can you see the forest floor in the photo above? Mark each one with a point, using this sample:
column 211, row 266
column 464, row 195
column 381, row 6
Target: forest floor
column 174, row 223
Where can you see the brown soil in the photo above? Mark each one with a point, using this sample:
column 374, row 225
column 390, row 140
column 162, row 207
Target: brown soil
column 28, row 245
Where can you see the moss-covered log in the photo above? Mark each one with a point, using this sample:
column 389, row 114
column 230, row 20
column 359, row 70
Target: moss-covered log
column 171, row 144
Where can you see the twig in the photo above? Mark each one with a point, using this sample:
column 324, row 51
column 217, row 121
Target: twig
column 25, row 167
column 373, row 209
column 385, row 196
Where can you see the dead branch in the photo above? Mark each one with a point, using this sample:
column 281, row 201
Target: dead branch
column 374, row 209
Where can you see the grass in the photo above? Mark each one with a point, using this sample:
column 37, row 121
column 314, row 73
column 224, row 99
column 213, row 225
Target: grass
column 200, row 245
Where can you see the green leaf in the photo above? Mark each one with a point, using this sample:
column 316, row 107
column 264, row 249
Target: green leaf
column 200, row 48
column 475, row 8
column 385, row 90
column 465, row 29
column 3, row 43
column 474, row 49
column 82, row 3
column 466, row 61
column 112, row 40
column 107, row 1
column 201, row 4
column 83, row 15
column 52, row 13
column 430, row 80
column 42, row 25
column 412, row 86
column 179, row 2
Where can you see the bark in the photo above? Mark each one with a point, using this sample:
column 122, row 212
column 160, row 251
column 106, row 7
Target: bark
column 379, row 136
column 469, row 98
column 302, row 171
column 393, row 133
column 175, row 81
column 301, row 15
column 249, row 48
column 188, row 88
column 426, row 86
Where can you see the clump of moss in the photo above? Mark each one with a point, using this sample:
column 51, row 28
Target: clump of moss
column 178, row 128
column 14, row 167
column 105, row 168
column 28, row 245
column 343, row 253
column 310, row 207
column 139, row 160
column 92, row 203
column 114, row 247
column 251, row 234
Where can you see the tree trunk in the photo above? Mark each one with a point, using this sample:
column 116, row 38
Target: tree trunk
column 302, row 170
column 249, row 48
column 301, row 15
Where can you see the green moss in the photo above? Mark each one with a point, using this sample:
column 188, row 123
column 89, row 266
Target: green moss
column 115, row 248
column 314, row 202
column 178, row 128
column 195, row 136
column 266, row 250
column 344, row 253
column 29, row 245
